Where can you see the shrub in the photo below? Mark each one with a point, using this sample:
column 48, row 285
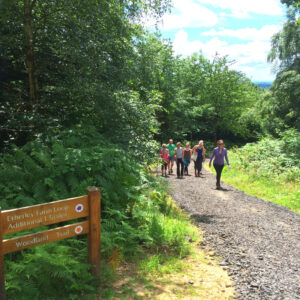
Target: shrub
column 269, row 158
column 135, row 210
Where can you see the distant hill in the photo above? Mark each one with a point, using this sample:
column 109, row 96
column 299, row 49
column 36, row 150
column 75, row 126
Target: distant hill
column 263, row 85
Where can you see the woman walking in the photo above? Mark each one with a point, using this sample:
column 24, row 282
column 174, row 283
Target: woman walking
column 187, row 154
column 199, row 150
column 218, row 155
column 179, row 160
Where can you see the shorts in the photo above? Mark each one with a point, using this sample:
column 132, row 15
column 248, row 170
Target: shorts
column 172, row 158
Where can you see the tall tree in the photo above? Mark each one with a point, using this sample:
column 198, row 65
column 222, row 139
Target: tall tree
column 284, row 100
column 70, row 58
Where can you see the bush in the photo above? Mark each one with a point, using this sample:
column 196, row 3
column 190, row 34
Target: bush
column 135, row 210
column 57, row 270
column 271, row 158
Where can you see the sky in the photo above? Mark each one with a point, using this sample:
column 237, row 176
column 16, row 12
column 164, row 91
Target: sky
column 241, row 29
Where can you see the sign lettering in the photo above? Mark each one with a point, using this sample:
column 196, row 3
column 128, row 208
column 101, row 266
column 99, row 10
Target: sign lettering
column 44, row 237
column 45, row 214
column 29, row 217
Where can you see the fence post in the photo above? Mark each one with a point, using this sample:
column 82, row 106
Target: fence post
column 2, row 278
column 94, row 234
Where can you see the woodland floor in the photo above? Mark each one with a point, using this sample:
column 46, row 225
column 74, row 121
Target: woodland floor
column 259, row 242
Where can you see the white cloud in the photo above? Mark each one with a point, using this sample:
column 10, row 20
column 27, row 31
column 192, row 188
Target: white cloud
column 188, row 14
column 263, row 34
column 241, row 8
column 257, row 73
column 247, row 56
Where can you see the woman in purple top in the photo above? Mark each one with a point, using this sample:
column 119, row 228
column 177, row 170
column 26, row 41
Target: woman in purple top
column 218, row 154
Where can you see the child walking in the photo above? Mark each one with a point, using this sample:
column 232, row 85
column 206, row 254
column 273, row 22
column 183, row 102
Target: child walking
column 187, row 154
column 164, row 155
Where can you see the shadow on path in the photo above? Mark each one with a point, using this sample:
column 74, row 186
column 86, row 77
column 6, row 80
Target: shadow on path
column 207, row 219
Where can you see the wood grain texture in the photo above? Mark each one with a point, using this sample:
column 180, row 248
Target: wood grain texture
column 94, row 234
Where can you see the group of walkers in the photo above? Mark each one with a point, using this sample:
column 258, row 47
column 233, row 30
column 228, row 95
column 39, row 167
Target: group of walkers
column 170, row 153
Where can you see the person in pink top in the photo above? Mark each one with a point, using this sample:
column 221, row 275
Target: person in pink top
column 164, row 155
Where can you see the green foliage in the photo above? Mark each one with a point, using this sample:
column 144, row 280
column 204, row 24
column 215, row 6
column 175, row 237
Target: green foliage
column 159, row 264
column 211, row 101
column 268, row 169
column 54, row 269
column 106, row 88
column 291, row 143
column 135, row 209
column 271, row 158
column 40, row 173
column 282, row 104
column 84, row 55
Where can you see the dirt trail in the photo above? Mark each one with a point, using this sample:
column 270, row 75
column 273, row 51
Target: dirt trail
column 258, row 241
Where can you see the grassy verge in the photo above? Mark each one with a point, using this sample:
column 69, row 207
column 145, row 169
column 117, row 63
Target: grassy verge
column 273, row 177
column 163, row 272
column 285, row 194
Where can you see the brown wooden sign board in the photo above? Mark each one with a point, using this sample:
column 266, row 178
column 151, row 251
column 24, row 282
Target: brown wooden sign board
column 43, row 237
column 25, row 218
column 29, row 217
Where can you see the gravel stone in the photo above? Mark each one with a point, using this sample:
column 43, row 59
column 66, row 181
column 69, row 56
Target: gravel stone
column 258, row 240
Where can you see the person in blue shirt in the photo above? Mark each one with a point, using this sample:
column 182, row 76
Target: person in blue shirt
column 199, row 150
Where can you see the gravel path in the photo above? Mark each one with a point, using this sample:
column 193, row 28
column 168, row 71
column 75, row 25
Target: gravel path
column 259, row 242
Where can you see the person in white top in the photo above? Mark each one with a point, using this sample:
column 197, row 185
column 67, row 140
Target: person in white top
column 179, row 160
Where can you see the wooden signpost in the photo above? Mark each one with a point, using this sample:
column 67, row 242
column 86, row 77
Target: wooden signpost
column 25, row 218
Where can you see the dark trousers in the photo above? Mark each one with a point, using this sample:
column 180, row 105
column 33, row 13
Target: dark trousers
column 198, row 164
column 218, row 169
column 179, row 167
column 164, row 166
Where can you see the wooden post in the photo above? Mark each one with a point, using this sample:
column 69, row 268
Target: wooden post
column 2, row 278
column 94, row 230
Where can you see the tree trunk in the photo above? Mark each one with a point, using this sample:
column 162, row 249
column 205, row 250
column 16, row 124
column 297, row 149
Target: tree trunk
column 29, row 59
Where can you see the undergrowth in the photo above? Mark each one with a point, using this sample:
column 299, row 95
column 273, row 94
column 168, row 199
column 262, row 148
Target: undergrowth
column 268, row 169
column 136, row 212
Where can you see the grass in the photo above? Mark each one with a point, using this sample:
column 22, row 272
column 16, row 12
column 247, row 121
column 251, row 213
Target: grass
column 175, row 269
column 196, row 276
column 270, row 188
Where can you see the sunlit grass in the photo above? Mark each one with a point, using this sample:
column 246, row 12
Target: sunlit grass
column 161, row 264
column 269, row 188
